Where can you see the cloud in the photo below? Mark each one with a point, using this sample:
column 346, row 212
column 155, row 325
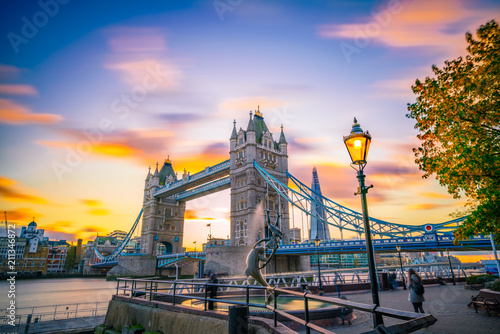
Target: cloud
column 411, row 24
column 9, row 193
column 393, row 88
column 157, row 73
column 181, row 118
column 301, row 144
column 8, row 71
column 18, row 90
column 93, row 229
column 139, row 143
column 434, row 195
column 250, row 103
column 123, row 39
column 192, row 215
column 99, row 212
column 13, row 113
column 91, row 202
column 23, row 215
column 422, row 206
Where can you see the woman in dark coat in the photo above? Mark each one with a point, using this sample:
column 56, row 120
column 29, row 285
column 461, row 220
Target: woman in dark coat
column 415, row 298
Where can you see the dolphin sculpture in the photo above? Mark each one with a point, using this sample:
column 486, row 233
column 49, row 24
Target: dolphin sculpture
column 258, row 255
column 253, row 264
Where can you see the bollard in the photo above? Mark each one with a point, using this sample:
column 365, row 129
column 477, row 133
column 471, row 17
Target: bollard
column 238, row 320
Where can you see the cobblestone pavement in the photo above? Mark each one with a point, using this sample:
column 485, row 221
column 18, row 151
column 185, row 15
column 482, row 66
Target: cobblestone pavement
column 447, row 303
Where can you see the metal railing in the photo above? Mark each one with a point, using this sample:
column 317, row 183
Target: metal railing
column 155, row 289
column 37, row 315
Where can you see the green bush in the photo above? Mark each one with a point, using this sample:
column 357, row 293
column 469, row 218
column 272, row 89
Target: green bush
column 480, row 279
column 495, row 286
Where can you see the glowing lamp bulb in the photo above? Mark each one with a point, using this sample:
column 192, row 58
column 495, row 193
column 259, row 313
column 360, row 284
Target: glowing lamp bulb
column 357, row 144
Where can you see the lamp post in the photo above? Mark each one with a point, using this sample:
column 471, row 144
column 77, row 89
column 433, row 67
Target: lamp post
column 451, row 268
column 398, row 247
column 357, row 144
column 320, row 287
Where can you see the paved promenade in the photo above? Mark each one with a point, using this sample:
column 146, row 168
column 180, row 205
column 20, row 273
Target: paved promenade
column 447, row 303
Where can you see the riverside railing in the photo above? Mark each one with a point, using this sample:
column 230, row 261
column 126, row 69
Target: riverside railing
column 153, row 290
column 37, row 314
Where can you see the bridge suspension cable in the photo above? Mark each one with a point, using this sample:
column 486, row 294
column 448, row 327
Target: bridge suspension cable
column 121, row 246
column 342, row 217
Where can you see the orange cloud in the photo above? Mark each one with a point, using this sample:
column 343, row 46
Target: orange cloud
column 13, row 113
column 143, row 144
column 93, row 229
column 423, row 206
column 23, row 215
column 191, row 215
column 435, row 195
column 91, row 202
column 18, row 90
column 99, row 212
column 8, row 192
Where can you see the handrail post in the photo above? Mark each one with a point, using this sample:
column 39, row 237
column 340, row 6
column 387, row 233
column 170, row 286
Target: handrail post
column 175, row 285
column 117, row 286
column 306, row 309
column 206, row 294
column 76, row 310
column 55, row 311
column 150, row 290
column 275, row 307
column 248, row 294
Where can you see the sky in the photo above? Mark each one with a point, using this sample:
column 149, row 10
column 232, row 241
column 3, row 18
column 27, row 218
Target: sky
column 92, row 93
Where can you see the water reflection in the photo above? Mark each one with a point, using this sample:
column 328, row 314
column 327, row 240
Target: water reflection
column 40, row 292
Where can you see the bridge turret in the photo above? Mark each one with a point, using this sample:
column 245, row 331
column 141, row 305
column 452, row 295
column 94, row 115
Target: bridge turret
column 283, row 148
column 155, row 180
column 250, row 134
column 234, row 137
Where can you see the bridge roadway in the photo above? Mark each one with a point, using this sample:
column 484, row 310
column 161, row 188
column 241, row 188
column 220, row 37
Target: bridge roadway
column 426, row 243
column 198, row 181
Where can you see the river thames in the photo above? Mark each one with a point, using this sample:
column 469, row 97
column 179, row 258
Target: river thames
column 42, row 292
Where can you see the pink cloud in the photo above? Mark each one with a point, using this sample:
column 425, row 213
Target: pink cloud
column 136, row 39
column 413, row 23
column 18, row 90
column 13, row 113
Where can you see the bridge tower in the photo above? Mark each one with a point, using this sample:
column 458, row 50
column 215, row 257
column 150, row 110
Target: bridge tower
column 250, row 195
column 163, row 218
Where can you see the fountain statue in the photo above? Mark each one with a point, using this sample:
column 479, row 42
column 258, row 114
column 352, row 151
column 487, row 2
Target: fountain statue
column 257, row 259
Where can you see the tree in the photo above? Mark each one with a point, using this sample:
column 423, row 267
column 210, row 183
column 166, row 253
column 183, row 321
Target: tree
column 458, row 116
column 70, row 259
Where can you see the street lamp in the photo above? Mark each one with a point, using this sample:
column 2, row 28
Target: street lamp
column 451, row 268
column 358, row 143
column 398, row 247
column 320, row 287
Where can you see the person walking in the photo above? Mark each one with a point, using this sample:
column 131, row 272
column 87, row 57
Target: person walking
column 393, row 280
column 416, row 296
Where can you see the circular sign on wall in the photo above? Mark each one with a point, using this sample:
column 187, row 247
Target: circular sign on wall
column 428, row 228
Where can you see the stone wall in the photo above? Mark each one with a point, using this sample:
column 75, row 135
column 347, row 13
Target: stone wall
column 230, row 260
column 166, row 318
column 135, row 265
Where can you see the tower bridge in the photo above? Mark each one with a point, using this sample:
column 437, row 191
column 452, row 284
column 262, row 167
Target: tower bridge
column 258, row 177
